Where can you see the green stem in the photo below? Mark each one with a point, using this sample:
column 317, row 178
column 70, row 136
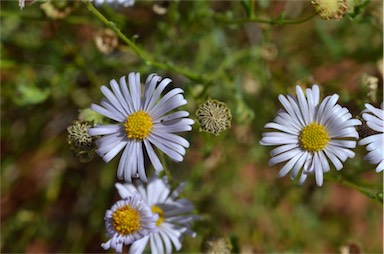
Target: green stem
column 277, row 21
column 141, row 53
column 166, row 171
column 376, row 195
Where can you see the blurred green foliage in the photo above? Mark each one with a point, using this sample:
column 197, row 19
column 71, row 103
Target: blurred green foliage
column 51, row 68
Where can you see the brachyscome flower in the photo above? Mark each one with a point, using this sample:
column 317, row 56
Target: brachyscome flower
column 374, row 118
column 310, row 133
column 129, row 220
column 174, row 215
column 143, row 121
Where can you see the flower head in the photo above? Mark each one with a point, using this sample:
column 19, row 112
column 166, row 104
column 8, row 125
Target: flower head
column 129, row 220
column 310, row 133
column 174, row 215
column 81, row 143
column 214, row 116
column 330, row 9
column 143, row 122
column 374, row 118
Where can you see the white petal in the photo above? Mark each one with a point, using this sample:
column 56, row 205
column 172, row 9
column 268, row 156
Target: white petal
column 116, row 90
column 167, row 242
column 172, row 234
column 174, row 102
column 378, row 112
column 289, row 165
column 172, row 116
column 319, row 176
column 380, row 167
column 134, row 89
column 284, row 128
column 112, row 99
column 126, row 94
column 153, row 157
column 284, row 156
column 170, row 152
column 112, row 153
column 303, row 105
column 299, row 164
column 156, row 94
column 104, row 129
column 106, row 112
column 282, row 149
column 123, row 163
column 150, row 85
column 138, row 246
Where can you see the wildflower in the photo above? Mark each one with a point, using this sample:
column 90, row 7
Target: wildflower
column 214, row 116
column 309, row 133
column 58, row 9
column 129, row 220
column 106, row 41
column 81, row 143
column 125, row 3
column 330, row 9
column 23, row 2
column 374, row 118
column 216, row 243
column 174, row 215
column 142, row 122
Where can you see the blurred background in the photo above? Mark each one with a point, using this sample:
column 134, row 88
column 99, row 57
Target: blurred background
column 55, row 55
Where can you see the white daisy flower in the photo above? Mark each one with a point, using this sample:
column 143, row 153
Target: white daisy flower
column 129, row 220
column 143, row 121
column 174, row 215
column 375, row 120
column 309, row 133
column 125, row 3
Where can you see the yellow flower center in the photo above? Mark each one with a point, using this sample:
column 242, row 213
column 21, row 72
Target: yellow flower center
column 138, row 125
column 160, row 212
column 126, row 220
column 314, row 137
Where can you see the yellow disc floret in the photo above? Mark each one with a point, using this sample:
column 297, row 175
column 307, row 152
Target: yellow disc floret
column 314, row 137
column 160, row 212
column 138, row 125
column 126, row 220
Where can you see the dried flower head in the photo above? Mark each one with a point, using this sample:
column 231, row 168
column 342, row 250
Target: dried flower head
column 82, row 144
column 106, row 41
column 214, row 116
column 350, row 247
column 371, row 83
column 330, row 9
column 58, row 9
column 216, row 243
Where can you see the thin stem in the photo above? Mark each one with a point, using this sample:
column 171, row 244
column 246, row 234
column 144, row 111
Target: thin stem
column 376, row 195
column 141, row 53
column 277, row 21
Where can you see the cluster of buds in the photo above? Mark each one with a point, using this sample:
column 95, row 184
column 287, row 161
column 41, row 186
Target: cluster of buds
column 82, row 144
column 330, row 9
column 214, row 116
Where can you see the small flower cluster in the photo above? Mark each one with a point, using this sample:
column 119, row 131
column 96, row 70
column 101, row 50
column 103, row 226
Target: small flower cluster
column 310, row 134
column 153, row 213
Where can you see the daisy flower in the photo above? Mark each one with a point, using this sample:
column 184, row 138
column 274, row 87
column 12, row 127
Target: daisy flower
column 143, row 121
column 374, row 118
column 174, row 215
column 129, row 220
column 309, row 134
